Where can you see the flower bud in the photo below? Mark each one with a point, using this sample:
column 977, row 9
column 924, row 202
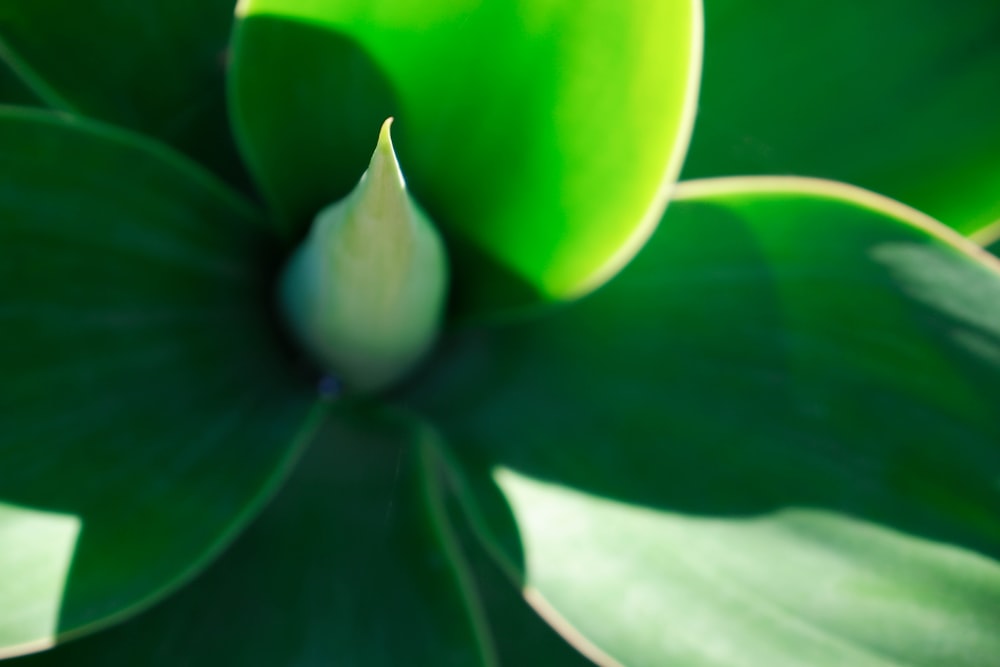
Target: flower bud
column 365, row 291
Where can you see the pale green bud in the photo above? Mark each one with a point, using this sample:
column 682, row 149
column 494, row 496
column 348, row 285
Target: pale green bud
column 365, row 291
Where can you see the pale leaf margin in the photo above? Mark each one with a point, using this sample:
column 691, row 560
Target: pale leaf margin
column 668, row 182
column 704, row 190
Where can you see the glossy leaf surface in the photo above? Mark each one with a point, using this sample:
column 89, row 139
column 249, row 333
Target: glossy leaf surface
column 772, row 440
column 147, row 407
column 346, row 567
column 898, row 96
column 539, row 135
column 156, row 66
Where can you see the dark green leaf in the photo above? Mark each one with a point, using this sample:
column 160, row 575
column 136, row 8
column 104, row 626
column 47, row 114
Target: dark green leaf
column 989, row 237
column 346, row 567
column 540, row 136
column 518, row 634
column 146, row 404
column 772, row 440
column 156, row 66
column 899, row 96
column 13, row 90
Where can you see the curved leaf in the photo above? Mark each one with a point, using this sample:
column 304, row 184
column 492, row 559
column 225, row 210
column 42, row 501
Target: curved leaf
column 146, row 402
column 12, row 89
column 515, row 122
column 894, row 95
column 154, row 66
column 518, row 634
column 988, row 237
column 346, row 567
column 771, row 440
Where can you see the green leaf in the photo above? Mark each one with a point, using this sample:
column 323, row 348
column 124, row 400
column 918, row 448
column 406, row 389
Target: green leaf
column 518, row 634
column 988, row 237
column 156, row 66
column 772, row 440
column 346, row 567
column 148, row 408
column 515, row 122
column 12, row 89
column 894, row 95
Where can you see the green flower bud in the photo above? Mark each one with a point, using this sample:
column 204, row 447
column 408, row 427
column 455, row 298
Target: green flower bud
column 365, row 291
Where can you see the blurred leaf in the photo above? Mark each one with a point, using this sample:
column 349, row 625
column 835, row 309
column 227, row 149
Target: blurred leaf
column 147, row 408
column 518, row 634
column 772, row 440
column 344, row 568
column 522, row 127
column 12, row 89
column 988, row 237
column 898, row 96
column 156, row 66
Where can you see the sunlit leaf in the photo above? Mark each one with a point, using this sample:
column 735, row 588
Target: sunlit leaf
column 772, row 440
column 540, row 135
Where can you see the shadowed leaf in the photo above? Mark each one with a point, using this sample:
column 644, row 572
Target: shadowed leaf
column 147, row 406
column 772, row 440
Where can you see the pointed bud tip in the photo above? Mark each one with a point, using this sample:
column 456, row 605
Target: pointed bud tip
column 384, row 173
column 365, row 293
column 384, row 150
column 384, row 136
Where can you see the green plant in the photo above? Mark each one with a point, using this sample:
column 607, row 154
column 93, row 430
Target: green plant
column 769, row 439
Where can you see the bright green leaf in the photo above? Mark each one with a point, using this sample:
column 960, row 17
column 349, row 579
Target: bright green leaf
column 898, row 96
column 541, row 135
column 146, row 404
column 346, row 567
column 156, row 66
column 772, row 440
